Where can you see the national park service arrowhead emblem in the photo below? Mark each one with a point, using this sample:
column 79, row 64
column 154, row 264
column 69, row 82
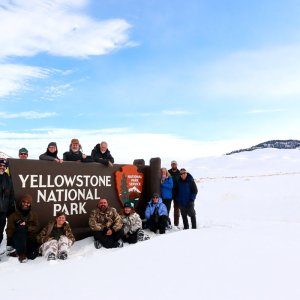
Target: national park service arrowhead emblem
column 129, row 184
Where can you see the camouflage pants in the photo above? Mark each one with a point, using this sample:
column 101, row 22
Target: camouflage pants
column 56, row 247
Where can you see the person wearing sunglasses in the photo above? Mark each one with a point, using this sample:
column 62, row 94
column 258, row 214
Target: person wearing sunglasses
column 186, row 192
column 23, row 153
column 51, row 153
column 156, row 214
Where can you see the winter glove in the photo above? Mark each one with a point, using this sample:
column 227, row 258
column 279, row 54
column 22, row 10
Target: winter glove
column 20, row 222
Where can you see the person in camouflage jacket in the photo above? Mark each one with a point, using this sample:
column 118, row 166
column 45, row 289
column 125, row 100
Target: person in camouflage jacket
column 107, row 226
column 133, row 231
column 56, row 238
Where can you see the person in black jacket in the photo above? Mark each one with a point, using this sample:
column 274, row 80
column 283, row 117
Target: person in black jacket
column 102, row 155
column 51, row 153
column 21, row 231
column 175, row 173
column 7, row 199
column 186, row 192
column 75, row 153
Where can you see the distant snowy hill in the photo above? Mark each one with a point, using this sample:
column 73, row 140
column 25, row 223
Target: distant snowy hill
column 258, row 163
column 278, row 144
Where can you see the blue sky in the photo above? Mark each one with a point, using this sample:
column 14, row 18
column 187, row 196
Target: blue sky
column 175, row 79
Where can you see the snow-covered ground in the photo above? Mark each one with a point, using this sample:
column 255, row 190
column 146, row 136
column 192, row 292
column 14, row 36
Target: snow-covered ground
column 247, row 245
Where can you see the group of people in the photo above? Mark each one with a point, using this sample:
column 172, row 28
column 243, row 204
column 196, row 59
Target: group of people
column 177, row 186
column 99, row 154
column 110, row 229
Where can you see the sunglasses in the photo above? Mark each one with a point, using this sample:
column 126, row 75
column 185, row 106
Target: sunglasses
column 23, row 154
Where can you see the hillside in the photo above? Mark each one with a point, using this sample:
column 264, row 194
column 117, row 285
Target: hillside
column 278, row 144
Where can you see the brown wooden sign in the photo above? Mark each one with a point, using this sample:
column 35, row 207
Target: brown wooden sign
column 75, row 187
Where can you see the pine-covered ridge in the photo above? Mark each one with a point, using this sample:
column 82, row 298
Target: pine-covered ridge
column 278, row 144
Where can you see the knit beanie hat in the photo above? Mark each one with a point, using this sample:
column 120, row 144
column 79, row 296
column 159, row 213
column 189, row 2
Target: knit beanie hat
column 52, row 144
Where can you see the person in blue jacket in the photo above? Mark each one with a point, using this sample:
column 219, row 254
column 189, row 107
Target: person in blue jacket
column 156, row 214
column 166, row 186
column 186, row 192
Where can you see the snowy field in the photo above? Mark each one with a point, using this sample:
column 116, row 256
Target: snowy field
column 247, row 245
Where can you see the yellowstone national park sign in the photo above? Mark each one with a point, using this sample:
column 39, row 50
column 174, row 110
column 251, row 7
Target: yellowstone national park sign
column 75, row 187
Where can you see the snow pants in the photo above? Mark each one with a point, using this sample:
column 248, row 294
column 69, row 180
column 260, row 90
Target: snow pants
column 56, row 246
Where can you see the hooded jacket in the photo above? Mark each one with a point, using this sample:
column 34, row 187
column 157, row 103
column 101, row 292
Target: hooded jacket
column 49, row 155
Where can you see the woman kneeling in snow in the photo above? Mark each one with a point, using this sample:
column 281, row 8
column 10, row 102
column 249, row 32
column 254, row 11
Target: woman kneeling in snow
column 56, row 238
column 132, row 225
